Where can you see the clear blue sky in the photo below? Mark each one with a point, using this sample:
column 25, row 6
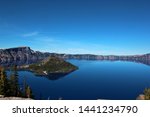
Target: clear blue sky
column 77, row 26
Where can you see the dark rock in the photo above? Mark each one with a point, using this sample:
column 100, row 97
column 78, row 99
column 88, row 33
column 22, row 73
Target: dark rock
column 24, row 54
column 141, row 97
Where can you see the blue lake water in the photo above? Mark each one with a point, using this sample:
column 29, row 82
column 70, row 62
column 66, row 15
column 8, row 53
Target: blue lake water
column 93, row 80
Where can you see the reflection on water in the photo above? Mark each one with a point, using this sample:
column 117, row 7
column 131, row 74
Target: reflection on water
column 18, row 63
column 146, row 62
column 54, row 76
column 26, row 62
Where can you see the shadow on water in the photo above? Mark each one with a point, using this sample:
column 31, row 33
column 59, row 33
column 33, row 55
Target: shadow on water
column 54, row 76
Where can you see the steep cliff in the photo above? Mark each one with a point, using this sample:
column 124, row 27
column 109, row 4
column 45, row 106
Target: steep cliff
column 20, row 54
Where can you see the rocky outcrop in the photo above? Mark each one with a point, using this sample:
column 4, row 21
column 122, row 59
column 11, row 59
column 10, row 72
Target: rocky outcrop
column 141, row 97
column 13, row 98
column 20, row 54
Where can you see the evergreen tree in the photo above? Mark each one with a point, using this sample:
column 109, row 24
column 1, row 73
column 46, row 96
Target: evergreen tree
column 147, row 93
column 4, row 83
column 28, row 92
column 10, row 87
column 14, row 82
column 24, row 88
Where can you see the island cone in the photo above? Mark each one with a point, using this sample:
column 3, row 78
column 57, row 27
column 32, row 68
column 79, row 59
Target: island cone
column 52, row 64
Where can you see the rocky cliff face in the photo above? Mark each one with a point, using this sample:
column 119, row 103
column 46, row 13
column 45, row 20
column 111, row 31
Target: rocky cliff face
column 101, row 57
column 20, row 54
column 145, row 58
column 27, row 55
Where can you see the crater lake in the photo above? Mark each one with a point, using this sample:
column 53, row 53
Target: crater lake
column 114, row 80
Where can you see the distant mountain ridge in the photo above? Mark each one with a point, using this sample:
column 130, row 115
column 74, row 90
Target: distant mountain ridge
column 26, row 54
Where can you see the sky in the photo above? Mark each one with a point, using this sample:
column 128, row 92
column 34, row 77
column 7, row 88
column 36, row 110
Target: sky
column 103, row 27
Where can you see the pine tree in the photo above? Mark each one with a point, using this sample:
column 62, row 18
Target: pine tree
column 10, row 87
column 14, row 82
column 29, row 92
column 4, row 83
column 147, row 93
column 24, row 87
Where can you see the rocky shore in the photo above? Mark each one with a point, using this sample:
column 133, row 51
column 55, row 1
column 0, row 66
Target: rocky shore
column 141, row 97
column 13, row 98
